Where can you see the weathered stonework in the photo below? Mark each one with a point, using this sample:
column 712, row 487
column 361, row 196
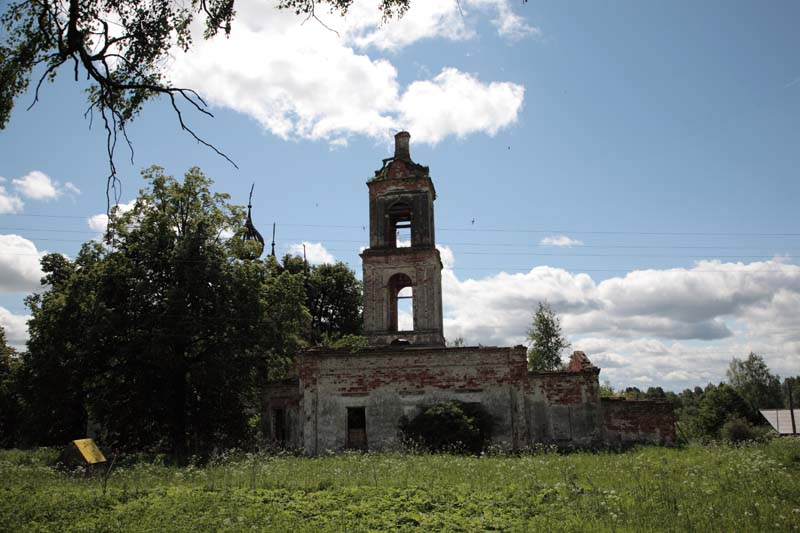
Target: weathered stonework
column 634, row 421
column 401, row 195
column 390, row 383
column 345, row 400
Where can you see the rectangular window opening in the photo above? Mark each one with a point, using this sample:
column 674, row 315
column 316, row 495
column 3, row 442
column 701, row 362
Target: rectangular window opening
column 357, row 428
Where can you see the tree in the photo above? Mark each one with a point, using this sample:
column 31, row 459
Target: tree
column 755, row 383
column 718, row 405
column 163, row 339
column 334, row 298
column 607, row 390
column 121, row 47
column 9, row 403
column 546, row 340
column 54, row 361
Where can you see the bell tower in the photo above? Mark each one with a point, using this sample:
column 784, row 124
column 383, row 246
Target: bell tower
column 402, row 261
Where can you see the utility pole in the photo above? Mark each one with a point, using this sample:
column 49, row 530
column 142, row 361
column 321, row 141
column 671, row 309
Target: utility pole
column 789, row 383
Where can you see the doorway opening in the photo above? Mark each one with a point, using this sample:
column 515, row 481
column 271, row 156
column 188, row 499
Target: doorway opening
column 357, row 428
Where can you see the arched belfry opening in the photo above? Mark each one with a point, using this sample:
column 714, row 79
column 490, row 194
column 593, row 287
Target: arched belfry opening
column 402, row 267
column 400, row 229
column 401, row 303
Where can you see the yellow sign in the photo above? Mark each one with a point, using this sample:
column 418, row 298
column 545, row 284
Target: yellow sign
column 89, row 450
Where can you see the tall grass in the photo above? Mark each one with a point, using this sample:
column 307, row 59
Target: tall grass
column 753, row 487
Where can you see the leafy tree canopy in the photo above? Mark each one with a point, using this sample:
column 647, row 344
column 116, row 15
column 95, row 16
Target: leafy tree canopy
column 164, row 337
column 753, row 380
column 719, row 404
column 333, row 297
column 546, row 340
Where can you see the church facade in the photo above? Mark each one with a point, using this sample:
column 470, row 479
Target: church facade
column 341, row 400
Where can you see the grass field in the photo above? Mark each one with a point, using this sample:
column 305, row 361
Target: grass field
column 715, row 488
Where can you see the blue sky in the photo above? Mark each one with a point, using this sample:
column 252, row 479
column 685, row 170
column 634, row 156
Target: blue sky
column 660, row 139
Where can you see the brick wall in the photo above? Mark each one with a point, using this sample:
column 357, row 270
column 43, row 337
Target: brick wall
column 284, row 395
column 397, row 381
column 634, row 421
column 564, row 408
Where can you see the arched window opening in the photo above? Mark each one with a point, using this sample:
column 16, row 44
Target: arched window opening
column 399, row 225
column 405, row 309
column 401, row 305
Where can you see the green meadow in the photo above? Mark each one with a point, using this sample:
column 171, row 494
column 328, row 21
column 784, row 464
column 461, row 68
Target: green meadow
column 754, row 487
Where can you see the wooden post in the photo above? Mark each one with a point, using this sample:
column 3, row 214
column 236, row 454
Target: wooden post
column 789, row 383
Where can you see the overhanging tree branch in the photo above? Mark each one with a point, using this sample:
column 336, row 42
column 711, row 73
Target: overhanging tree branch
column 121, row 45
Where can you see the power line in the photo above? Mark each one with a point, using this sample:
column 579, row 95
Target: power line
column 573, row 231
column 767, row 251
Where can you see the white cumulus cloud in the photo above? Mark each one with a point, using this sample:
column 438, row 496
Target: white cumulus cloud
column 562, row 241
column 20, row 270
column 37, row 185
column 9, row 203
column 99, row 222
column 675, row 326
column 316, row 254
column 312, row 83
column 457, row 103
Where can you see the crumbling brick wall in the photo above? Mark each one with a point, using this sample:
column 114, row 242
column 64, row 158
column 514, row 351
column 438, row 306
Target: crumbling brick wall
column 395, row 381
column 563, row 408
column 282, row 395
column 638, row 421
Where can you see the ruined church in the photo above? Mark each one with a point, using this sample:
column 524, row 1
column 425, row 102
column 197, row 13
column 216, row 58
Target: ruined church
column 341, row 400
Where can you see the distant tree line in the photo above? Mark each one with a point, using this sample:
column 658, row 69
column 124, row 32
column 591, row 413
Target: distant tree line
column 728, row 410
column 163, row 337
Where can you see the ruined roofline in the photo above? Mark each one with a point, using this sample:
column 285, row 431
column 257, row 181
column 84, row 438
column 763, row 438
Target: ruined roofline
column 593, row 370
column 634, row 400
column 284, row 381
column 393, row 350
column 384, row 181
column 402, row 156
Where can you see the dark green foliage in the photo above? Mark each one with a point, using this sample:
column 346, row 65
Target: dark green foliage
column 791, row 388
column 546, row 339
column 355, row 343
column 755, row 383
column 736, row 429
column 333, row 298
column 717, row 406
column 10, row 408
column 164, row 339
column 450, row 427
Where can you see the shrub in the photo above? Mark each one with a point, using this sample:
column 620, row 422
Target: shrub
column 450, row 426
column 737, row 429
column 355, row 343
